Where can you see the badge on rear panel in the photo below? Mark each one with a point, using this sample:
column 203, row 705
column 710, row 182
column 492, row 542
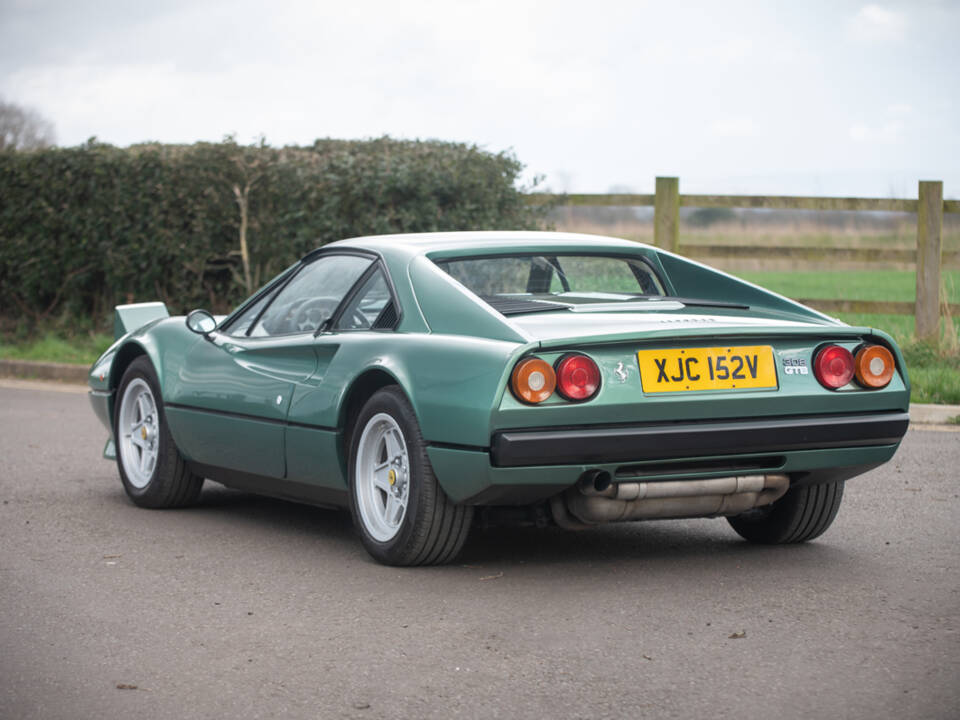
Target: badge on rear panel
column 795, row 366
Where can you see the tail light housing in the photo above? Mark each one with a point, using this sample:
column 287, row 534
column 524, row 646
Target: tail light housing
column 533, row 380
column 874, row 366
column 578, row 377
column 834, row 366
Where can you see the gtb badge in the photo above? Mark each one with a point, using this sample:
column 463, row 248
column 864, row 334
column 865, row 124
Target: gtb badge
column 795, row 366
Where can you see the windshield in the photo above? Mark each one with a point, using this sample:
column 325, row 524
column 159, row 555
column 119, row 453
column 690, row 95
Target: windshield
column 544, row 282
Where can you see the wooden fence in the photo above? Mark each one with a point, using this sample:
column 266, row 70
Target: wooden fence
column 928, row 255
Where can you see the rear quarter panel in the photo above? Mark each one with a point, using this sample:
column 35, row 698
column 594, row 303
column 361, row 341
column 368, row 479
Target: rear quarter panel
column 453, row 382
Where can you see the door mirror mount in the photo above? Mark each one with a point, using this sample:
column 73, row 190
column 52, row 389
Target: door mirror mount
column 201, row 322
column 324, row 327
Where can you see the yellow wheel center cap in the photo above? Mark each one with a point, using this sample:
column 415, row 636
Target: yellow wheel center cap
column 392, row 477
column 143, row 432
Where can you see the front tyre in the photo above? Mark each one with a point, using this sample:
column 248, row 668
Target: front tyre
column 802, row 514
column 153, row 472
column 401, row 512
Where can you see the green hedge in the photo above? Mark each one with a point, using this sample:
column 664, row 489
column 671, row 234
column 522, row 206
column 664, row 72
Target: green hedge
column 85, row 228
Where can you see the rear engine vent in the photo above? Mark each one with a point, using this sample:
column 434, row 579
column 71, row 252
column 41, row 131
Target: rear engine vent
column 519, row 306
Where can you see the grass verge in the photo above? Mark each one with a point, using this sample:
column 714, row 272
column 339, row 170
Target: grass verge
column 934, row 374
column 79, row 349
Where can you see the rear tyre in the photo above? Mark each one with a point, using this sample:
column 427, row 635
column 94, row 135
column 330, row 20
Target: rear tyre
column 802, row 514
column 401, row 512
column 153, row 472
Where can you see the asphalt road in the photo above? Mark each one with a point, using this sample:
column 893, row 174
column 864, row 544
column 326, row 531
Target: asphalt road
column 252, row 608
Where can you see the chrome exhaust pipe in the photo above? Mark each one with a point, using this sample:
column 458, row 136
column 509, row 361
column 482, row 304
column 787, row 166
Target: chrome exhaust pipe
column 595, row 482
column 595, row 499
column 558, row 508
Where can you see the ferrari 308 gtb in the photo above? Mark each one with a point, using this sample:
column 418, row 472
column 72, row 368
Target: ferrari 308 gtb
column 423, row 379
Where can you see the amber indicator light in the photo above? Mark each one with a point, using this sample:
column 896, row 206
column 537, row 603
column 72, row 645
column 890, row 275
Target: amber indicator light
column 533, row 380
column 874, row 366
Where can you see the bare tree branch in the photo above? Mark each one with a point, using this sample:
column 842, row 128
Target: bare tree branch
column 23, row 129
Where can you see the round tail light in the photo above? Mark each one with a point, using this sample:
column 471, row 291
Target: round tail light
column 874, row 366
column 833, row 366
column 533, row 380
column 578, row 377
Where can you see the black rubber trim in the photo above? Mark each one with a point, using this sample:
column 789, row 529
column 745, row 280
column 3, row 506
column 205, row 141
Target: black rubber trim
column 585, row 445
column 308, row 493
column 245, row 416
column 310, row 426
column 457, row 446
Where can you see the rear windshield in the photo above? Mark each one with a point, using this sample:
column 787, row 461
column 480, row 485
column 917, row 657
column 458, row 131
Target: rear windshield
column 547, row 279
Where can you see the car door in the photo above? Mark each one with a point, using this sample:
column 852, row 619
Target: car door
column 234, row 389
column 354, row 334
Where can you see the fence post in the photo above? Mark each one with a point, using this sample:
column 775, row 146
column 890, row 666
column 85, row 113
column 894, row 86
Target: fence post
column 929, row 226
column 666, row 214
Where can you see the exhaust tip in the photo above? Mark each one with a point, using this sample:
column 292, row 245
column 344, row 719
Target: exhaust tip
column 602, row 480
column 595, row 481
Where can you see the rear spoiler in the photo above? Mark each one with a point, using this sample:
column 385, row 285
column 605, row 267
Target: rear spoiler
column 131, row 317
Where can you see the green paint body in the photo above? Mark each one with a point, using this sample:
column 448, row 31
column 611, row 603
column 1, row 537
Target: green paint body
column 276, row 407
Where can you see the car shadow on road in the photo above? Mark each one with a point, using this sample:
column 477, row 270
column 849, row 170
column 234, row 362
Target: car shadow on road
column 647, row 544
column 274, row 511
column 257, row 514
column 651, row 543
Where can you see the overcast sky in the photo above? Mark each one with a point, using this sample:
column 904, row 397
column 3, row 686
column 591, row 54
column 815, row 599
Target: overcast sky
column 831, row 98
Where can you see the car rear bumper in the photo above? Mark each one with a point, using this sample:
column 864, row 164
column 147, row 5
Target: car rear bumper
column 639, row 443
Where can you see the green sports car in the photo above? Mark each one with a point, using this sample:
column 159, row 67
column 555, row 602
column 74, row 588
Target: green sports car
column 426, row 381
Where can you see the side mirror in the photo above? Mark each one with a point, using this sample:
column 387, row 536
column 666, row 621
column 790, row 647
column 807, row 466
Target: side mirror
column 201, row 322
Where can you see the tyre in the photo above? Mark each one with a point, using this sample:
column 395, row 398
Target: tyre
column 401, row 512
column 802, row 514
column 153, row 472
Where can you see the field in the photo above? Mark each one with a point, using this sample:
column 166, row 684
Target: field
column 889, row 285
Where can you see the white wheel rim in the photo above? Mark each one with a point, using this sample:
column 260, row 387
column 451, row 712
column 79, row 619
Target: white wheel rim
column 382, row 477
column 139, row 429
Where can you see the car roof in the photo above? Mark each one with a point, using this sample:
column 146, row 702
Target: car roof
column 421, row 243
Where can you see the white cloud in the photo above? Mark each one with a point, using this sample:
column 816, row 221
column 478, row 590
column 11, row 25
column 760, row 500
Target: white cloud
column 611, row 92
column 733, row 126
column 887, row 132
column 876, row 24
column 890, row 129
column 901, row 109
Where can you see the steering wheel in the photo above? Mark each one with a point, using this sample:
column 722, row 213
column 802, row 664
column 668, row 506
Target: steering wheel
column 312, row 313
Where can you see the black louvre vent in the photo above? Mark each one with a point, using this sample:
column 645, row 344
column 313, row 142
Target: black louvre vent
column 387, row 319
column 518, row 306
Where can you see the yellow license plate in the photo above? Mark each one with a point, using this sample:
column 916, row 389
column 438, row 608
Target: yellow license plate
column 715, row 368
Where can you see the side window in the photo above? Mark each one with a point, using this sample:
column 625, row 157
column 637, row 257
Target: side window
column 312, row 296
column 368, row 306
column 245, row 319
